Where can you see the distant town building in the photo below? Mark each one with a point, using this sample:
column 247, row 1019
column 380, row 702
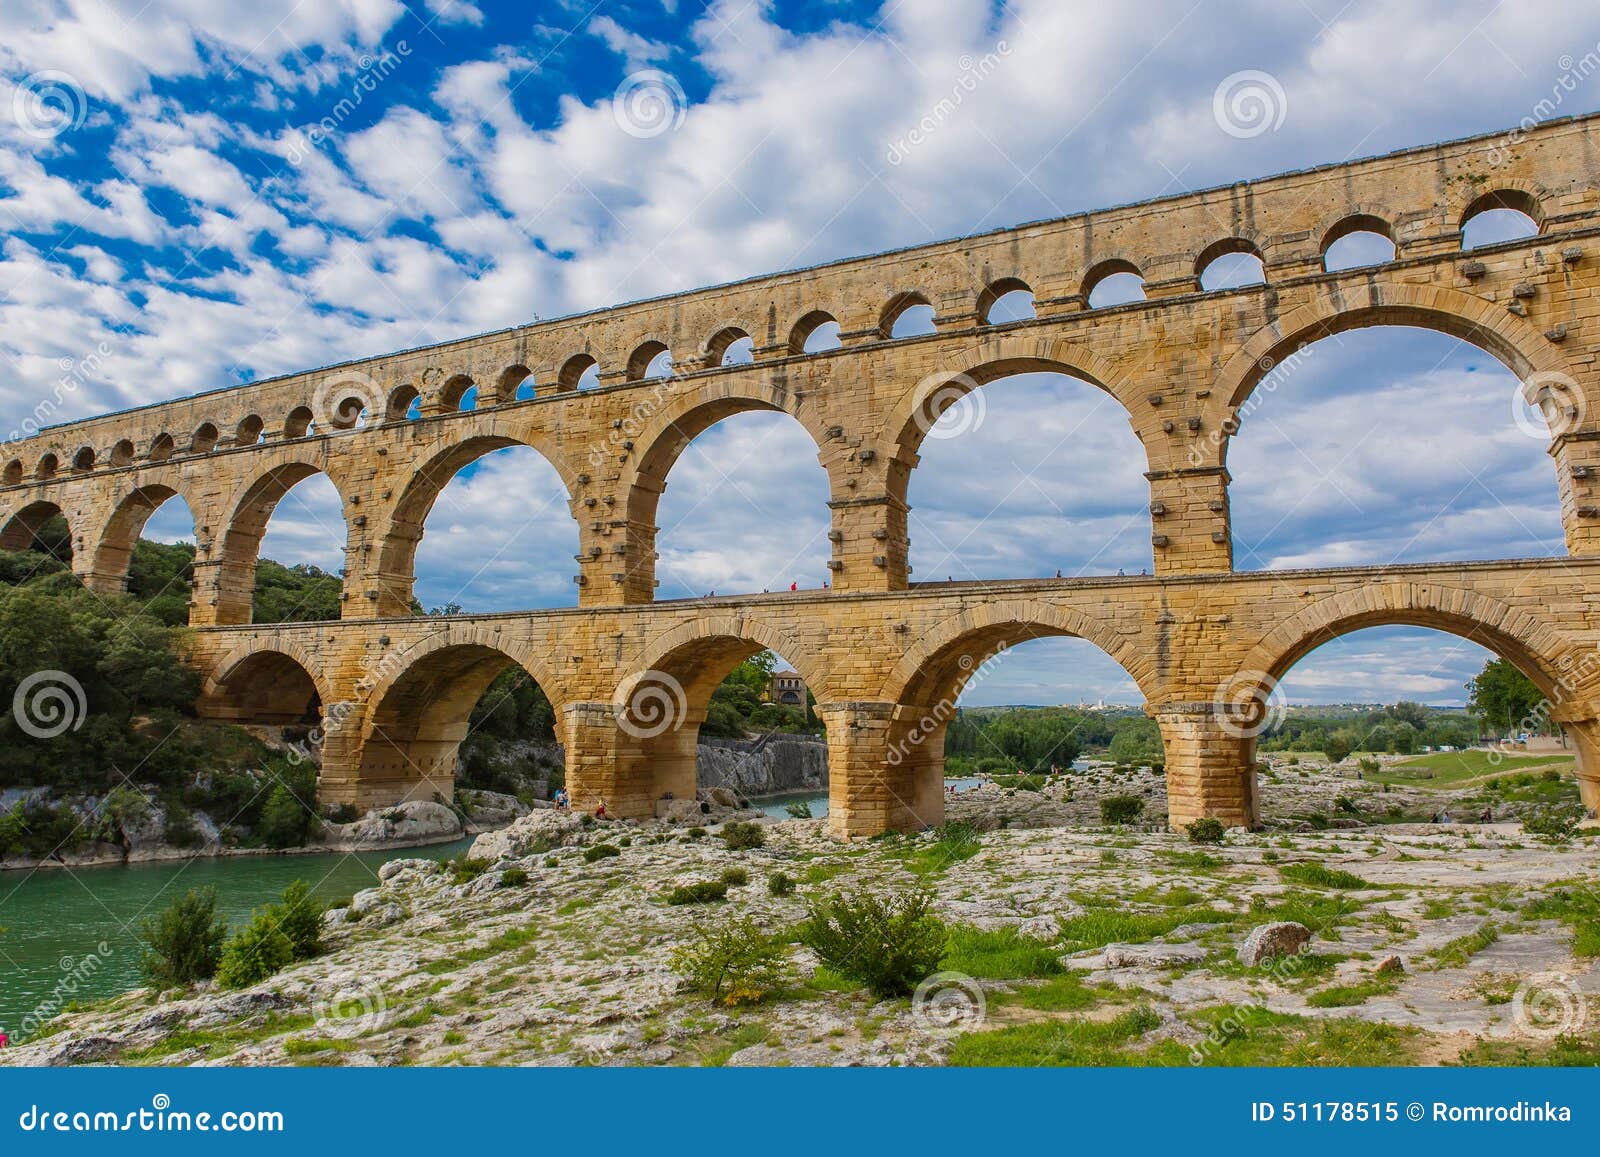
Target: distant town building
column 788, row 688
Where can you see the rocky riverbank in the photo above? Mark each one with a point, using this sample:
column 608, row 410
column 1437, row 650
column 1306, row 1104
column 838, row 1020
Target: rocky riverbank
column 771, row 765
column 1071, row 942
column 415, row 824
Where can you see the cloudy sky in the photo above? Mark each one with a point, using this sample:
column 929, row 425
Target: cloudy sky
column 204, row 192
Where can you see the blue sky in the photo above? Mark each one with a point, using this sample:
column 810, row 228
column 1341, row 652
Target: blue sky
column 210, row 191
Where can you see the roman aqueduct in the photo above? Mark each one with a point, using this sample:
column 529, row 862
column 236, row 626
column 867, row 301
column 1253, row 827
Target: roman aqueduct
column 630, row 677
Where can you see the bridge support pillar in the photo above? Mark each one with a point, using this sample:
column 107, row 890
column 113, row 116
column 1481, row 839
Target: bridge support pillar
column 222, row 597
column 1585, row 736
column 884, row 769
column 1189, row 520
column 1210, row 765
column 1577, row 458
column 605, row 762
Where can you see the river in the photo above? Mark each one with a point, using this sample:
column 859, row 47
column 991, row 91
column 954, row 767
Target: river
column 80, row 925
column 817, row 801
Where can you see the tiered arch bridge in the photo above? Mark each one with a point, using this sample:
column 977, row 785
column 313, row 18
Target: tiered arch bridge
column 884, row 656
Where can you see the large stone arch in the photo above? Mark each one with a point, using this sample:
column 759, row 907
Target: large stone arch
column 19, row 528
column 733, row 631
column 396, row 549
column 1544, row 654
column 945, row 657
column 231, row 590
column 418, row 709
column 131, row 510
column 257, row 683
column 667, row 426
column 1341, row 307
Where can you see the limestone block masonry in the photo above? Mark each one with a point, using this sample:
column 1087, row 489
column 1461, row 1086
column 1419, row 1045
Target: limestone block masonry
column 885, row 656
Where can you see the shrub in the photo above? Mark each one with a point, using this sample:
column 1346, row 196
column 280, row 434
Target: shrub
column 465, row 869
column 888, row 943
column 1206, row 831
column 1121, row 809
column 181, row 830
column 696, row 833
column 254, row 953
column 285, row 821
column 299, row 916
column 1552, row 827
column 1320, row 876
column 780, row 884
column 600, row 852
column 735, row 877
column 513, row 877
column 741, row 835
column 701, row 892
column 344, row 813
column 184, row 943
column 798, row 809
column 735, row 962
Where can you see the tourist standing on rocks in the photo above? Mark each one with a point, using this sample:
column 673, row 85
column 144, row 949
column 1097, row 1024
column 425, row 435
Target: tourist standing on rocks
column 600, row 812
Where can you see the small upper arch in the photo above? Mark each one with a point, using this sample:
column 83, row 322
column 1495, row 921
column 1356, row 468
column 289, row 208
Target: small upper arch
column 1507, row 214
column 48, row 465
column 250, row 430
column 1229, row 264
column 122, row 452
column 580, row 371
column 14, row 471
column 1115, row 281
column 811, row 325
column 162, row 447
column 204, row 439
column 1005, row 299
column 83, row 459
column 405, row 401
column 651, row 359
column 907, row 314
column 1357, row 239
column 514, row 384
column 298, row 423
column 729, row 346
column 459, row 392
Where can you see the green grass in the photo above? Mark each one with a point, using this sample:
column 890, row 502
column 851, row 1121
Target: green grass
column 507, row 940
column 1578, row 906
column 998, row 954
column 1066, row 992
column 1562, row 1052
column 217, row 1041
column 1320, row 876
column 956, row 841
column 1444, row 768
column 1097, row 929
column 1348, row 995
column 1056, row 1043
column 1457, row 952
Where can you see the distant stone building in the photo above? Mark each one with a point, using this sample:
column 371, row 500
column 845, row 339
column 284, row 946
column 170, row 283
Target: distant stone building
column 788, row 688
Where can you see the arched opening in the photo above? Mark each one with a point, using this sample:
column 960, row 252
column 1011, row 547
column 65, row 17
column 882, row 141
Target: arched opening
column 266, row 689
column 162, row 447
column 906, row 315
column 1449, row 711
column 695, row 707
column 283, row 550
column 1114, row 282
column 14, row 472
column 347, row 408
column 298, row 423
column 515, row 385
column 1006, row 300
column 1025, row 703
column 1387, row 444
column 730, row 347
column 405, row 404
column 122, row 453
column 1503, row 215
column 1358, row 241
column 204, row 439
column 48, row 466
column 147, row 547
column 651, row 360
column 83, row 459
column 461, row 715
column 1033, row 475
column 816, row 332
column 41, row 530
column 458, row 394
column 581, row 372
column 500, row 535
column 251, row 431
column 747, row 508
column 1230, row 264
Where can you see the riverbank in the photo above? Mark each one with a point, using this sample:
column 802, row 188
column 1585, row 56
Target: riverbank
column 1425, row 941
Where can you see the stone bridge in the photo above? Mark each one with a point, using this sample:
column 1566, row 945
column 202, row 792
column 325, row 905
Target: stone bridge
column 631, row 677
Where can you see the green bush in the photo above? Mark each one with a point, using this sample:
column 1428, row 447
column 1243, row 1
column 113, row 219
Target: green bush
column 600, row 852
column 289, row 817
column 344, row 813
column 889, row 943
column 798, row 809
column 181, row 830
column 701, row 892
column 780, row 884
column 299, row 916
column 1553, row 826
column 735, row 877
column 513, row 877
column 254, row 953
column 1208, row 830
column 742, row 835
column 465, row 869
column 1121, row 809
column 184, row 943
column 735, row 962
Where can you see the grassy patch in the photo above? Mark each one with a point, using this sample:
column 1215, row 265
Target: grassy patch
column 1578, row 907
column 1457, row 952
column 507, row 940
column 1448, row 767
column 1057, row 1043
column 1000, row 953
column 957, row 841
column 1349, row 995
column 1097, row 929
column 1322, row 876
column 1066, row 992
column 1566, row 1051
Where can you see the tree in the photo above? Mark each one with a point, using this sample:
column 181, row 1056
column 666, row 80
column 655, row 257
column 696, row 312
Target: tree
column 1504, row 699
column 184, row 943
